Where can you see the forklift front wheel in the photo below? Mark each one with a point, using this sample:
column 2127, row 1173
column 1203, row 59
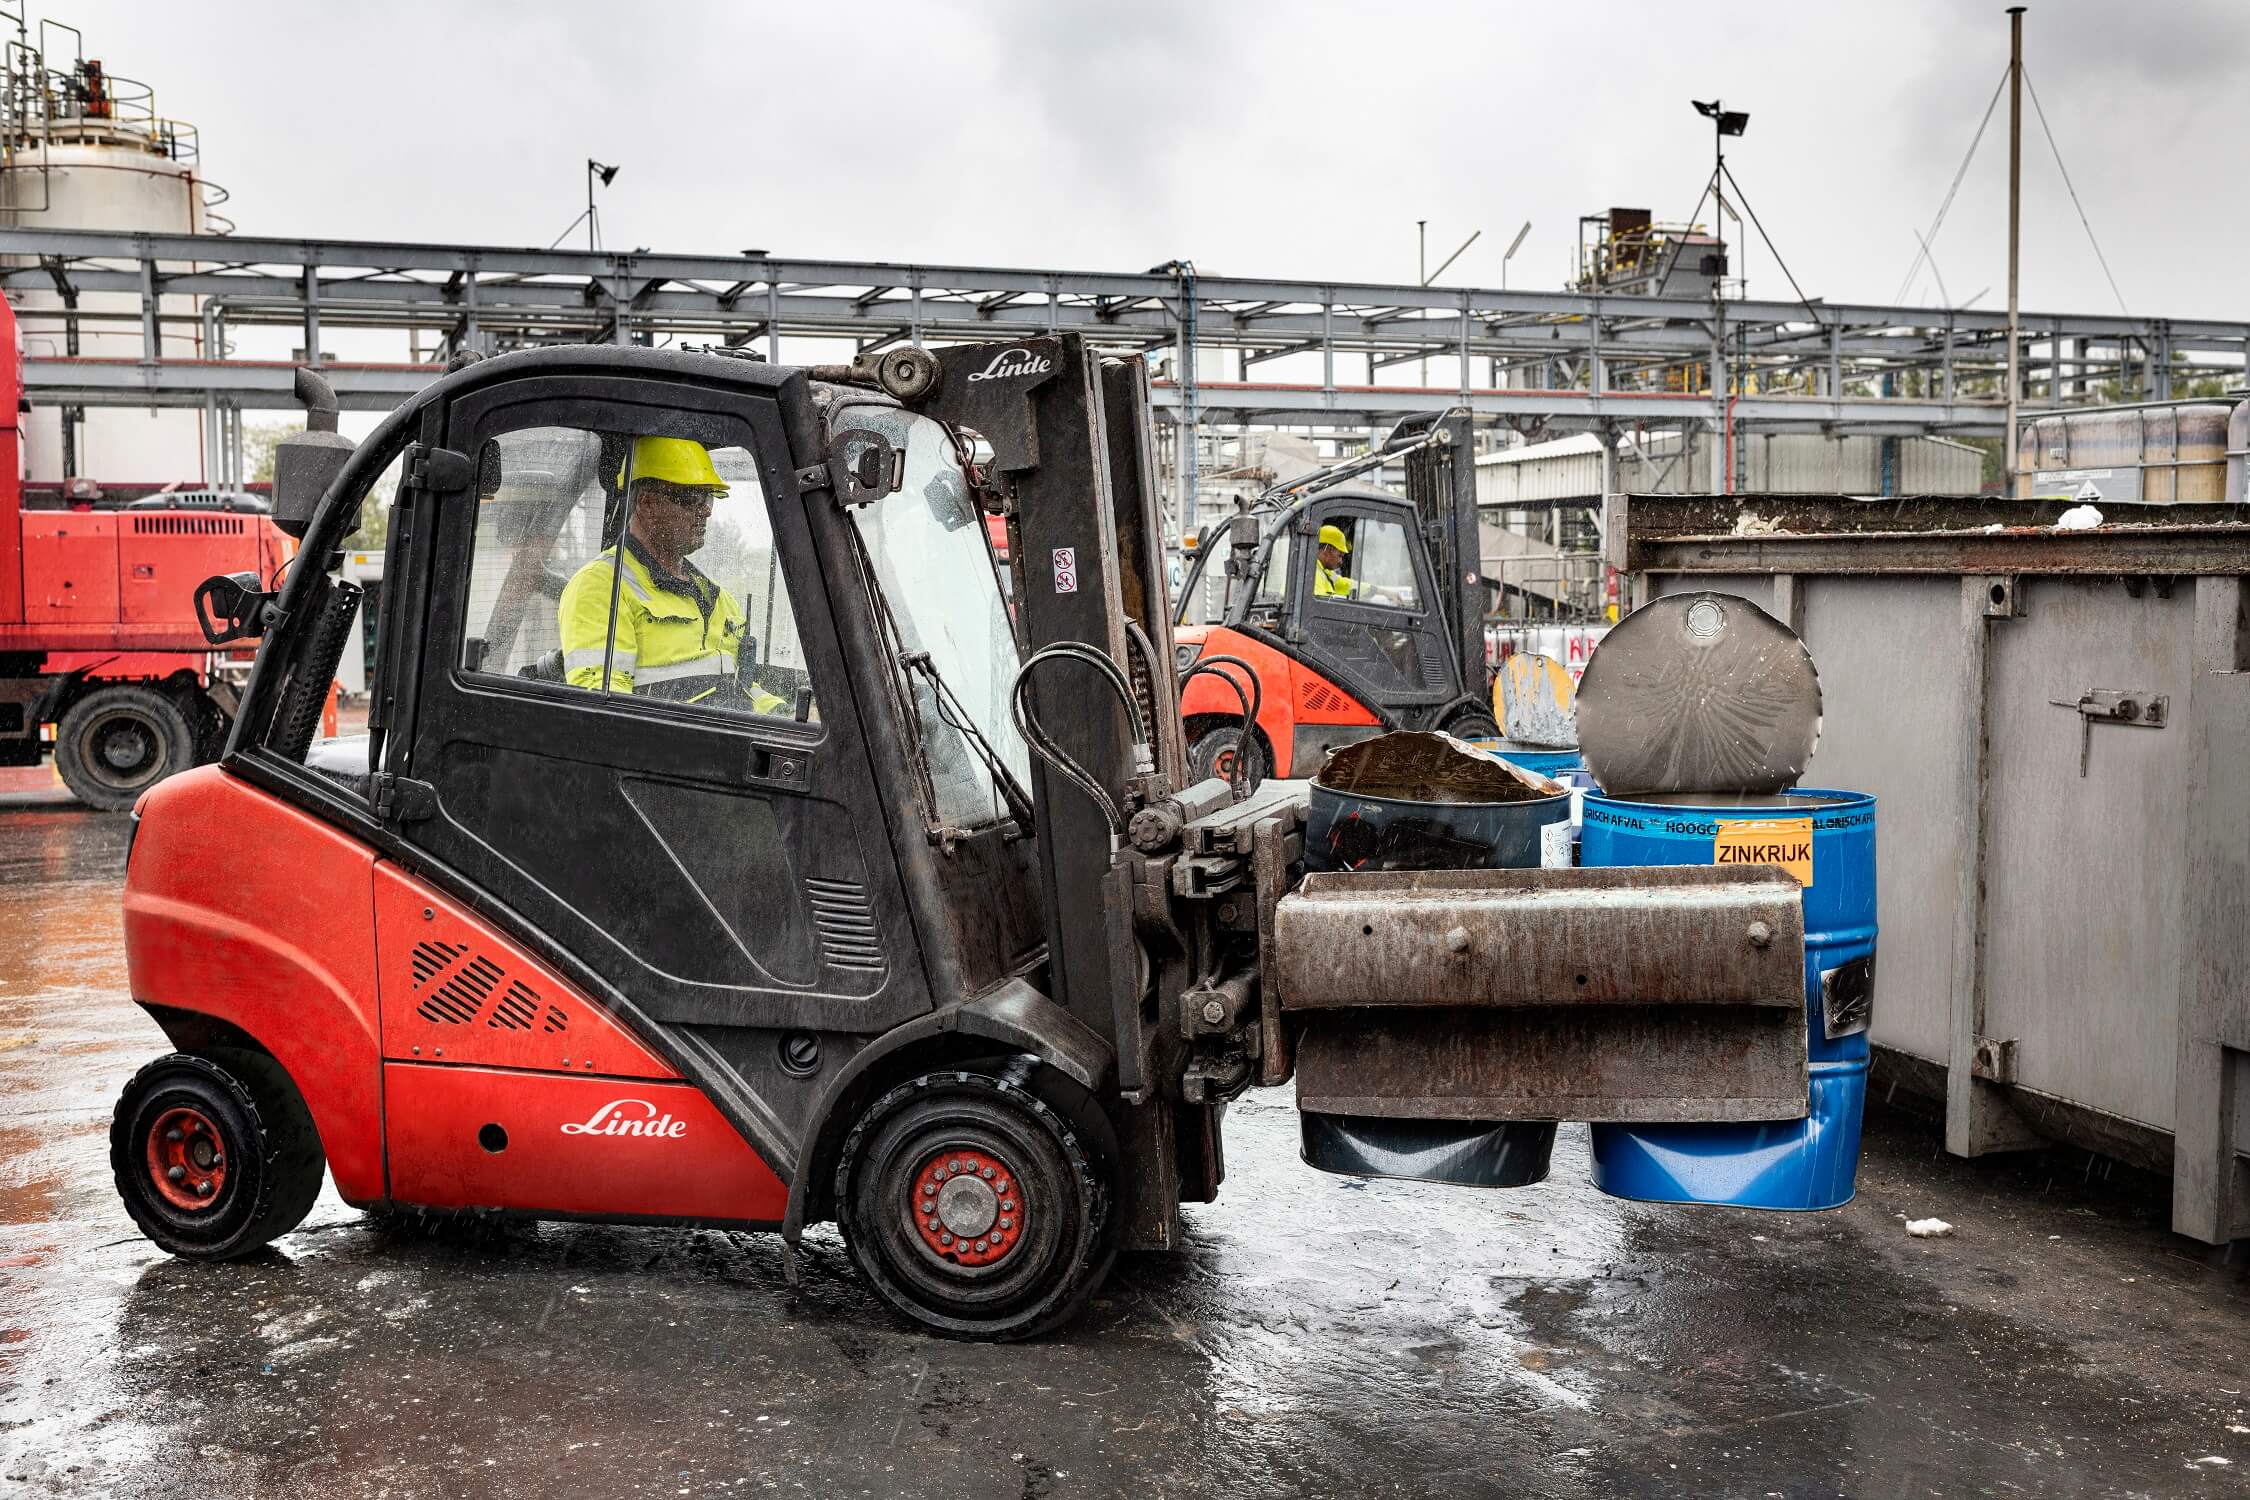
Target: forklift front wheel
column 213, row 1158
column 1214, row 751
column 976, row 1206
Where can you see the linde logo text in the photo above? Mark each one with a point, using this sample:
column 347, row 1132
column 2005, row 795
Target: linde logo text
column 1012, row 362
column 616, row 1118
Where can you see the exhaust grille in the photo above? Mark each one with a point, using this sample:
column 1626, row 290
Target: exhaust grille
column 1320, row 698
column 457, row 986
column 847, row 925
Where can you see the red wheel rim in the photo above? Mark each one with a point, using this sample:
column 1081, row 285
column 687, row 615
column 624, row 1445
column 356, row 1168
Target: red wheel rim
column 187, row 1158
column 966, row 1207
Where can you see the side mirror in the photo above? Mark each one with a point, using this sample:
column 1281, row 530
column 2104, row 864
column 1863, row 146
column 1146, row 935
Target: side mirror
column 306, row 463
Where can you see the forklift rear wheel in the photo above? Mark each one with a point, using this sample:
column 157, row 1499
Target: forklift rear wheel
column 976, row 1206
column 117, row 742
column 1213, row 754
column 214, row 1156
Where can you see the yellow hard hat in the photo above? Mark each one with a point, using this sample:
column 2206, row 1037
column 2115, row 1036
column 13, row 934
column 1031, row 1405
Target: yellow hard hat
column 681, row 461
column 1333, row 536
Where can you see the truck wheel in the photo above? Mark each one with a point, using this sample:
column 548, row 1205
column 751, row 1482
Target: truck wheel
column 1213, row 754
column 117, row 742
column 976, row 1206
column 211, row 1160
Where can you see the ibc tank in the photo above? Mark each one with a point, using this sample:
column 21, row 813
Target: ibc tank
column 2180, row 452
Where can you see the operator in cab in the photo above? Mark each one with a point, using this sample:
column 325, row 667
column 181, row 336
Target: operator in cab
column 1329, row 580
column 679, row 635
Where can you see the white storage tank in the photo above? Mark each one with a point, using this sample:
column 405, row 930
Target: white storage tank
column 89, row 151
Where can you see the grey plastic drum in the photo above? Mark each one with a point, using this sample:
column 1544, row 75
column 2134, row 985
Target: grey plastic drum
column 1698, row 693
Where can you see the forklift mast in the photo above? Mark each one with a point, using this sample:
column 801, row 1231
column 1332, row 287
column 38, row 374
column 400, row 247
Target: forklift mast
column 1441, row 480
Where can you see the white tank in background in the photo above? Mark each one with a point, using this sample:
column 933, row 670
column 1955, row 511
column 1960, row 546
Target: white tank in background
column 86, row 150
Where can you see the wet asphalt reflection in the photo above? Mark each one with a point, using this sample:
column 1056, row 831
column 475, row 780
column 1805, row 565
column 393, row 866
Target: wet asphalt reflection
column 1321, row 1336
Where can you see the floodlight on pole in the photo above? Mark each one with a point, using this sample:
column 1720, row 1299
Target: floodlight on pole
column 605, row 174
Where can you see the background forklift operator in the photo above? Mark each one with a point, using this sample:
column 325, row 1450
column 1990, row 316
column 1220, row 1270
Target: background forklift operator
column 679, row 635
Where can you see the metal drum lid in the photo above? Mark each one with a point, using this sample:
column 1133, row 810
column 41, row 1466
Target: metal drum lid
column 1698, row 693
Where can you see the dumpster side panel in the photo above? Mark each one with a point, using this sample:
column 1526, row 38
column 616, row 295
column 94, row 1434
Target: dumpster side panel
column 2084, row 876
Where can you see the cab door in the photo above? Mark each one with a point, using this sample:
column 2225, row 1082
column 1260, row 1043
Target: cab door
column 720, row 861
column 1385, row 639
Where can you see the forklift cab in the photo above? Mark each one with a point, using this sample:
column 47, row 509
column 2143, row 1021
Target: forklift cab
column 1342, row 653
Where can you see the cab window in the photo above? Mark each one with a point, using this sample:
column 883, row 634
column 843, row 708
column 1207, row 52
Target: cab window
column 632, row 566
column 1376, row 566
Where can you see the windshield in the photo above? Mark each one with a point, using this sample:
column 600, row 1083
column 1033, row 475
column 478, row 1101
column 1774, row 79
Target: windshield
column 927, row 545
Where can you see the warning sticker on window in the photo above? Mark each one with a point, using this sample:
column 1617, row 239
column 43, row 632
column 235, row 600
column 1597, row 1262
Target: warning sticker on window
column 1786, row 842
column 1066, row 570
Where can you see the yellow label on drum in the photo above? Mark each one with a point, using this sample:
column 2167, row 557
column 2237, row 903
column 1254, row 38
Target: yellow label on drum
column 1786, row 842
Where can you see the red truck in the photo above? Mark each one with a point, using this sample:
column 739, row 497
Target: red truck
column 98, row 633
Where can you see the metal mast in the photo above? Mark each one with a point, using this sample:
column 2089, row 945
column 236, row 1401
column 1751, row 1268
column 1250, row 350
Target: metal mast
column 2015, row 226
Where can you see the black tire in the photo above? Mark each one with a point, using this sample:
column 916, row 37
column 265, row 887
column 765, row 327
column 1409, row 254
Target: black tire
column 117, row 742
column 1025, row 1149
column 1212, row 754
column 1473, row 724
column 232, row 1121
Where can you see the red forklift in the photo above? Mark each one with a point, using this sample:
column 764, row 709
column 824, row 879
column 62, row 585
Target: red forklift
column 1386, row 635
column 101, row 659
column 907, row 914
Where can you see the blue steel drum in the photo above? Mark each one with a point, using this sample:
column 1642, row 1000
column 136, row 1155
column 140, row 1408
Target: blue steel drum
column 1827, row 839
column 1545, row 762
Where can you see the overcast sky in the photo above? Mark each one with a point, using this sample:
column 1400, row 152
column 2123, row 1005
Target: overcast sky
column 1298, row 140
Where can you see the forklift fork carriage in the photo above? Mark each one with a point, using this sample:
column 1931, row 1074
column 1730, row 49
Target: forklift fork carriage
column 909, row 915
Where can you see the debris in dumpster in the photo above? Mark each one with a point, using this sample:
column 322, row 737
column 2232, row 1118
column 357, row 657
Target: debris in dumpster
column 1928, row 1229
column 1422, row 801
column 1698, row 692
column 2078, row 518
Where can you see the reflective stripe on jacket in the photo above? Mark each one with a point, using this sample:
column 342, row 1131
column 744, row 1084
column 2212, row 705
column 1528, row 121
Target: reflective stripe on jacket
column 1328, row 582
column 677, row 637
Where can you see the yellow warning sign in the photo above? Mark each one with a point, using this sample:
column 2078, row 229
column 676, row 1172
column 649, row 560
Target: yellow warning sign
column 1786, row 842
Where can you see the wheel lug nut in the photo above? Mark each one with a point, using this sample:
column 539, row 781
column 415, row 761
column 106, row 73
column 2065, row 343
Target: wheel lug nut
column 954, row 1165
column 945, row 1239
column 173, row 1134
column 987, row 1174
column 933, row 1224
column 203, row 1188
column 176, row 1174
column 1007, row 1205
column 1006, row 1222
column 980, row 1247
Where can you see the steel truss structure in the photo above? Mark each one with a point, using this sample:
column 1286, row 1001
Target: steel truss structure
column 1540, row 361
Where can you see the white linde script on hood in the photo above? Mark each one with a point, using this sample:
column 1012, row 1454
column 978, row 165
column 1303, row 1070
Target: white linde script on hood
column 617, row 1118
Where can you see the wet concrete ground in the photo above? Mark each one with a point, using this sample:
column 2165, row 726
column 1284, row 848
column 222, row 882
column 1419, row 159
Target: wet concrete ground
column 1322, row 1336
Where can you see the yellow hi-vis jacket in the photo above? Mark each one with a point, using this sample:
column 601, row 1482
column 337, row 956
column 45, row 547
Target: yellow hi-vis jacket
column 1328, row 582
column 677, row 637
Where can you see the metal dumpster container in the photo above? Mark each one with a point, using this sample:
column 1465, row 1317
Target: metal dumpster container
column 2066, row 890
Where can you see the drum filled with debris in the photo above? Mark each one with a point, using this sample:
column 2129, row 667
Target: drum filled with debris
column 1420, row 801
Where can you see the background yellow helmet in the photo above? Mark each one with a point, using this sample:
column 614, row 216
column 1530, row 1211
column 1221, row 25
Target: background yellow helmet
column 680, row 461
column 1333, row 536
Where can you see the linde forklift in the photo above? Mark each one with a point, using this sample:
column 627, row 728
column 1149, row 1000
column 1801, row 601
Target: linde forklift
column 914, row 922
column 1398, row 646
